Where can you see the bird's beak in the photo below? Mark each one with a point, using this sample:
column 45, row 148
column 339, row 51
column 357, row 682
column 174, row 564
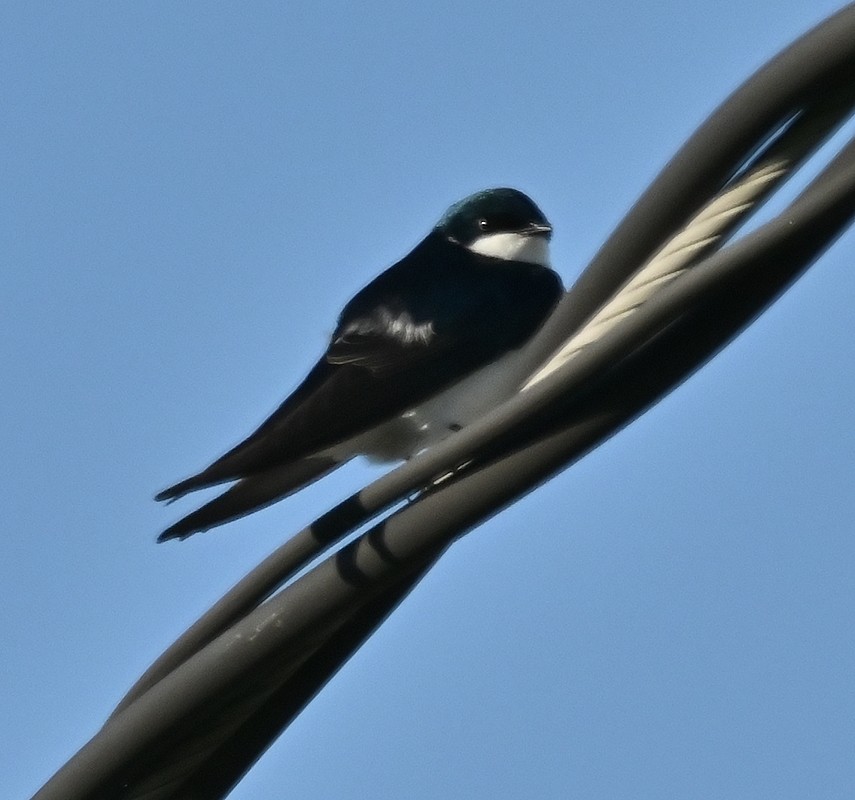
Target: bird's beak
column 537, row 229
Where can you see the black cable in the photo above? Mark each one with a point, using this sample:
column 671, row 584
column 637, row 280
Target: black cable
column 200, row 717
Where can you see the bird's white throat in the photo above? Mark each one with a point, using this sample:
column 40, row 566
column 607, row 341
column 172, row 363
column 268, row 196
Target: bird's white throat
column 513, row 247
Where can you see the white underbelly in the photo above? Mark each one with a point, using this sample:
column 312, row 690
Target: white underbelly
column 441, row 415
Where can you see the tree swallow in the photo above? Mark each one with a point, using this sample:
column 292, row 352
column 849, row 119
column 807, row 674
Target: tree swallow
column 424, row 349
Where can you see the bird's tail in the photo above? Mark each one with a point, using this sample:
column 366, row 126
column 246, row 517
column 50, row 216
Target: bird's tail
column 247, row 495
column 179, row 489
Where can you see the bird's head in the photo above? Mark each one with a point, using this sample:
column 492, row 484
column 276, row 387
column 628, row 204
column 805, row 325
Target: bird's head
column 499, row 223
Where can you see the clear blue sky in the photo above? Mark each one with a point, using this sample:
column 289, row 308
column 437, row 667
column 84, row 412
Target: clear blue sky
column 190, row 192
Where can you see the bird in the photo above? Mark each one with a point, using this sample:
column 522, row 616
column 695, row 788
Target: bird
column 424, row 349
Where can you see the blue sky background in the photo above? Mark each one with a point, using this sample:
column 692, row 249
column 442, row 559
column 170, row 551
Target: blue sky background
column 188, row 195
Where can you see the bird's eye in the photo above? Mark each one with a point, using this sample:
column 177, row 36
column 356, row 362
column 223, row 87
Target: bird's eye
column 483, row 224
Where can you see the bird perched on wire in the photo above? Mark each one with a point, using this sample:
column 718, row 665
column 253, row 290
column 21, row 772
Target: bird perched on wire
column 425, row 348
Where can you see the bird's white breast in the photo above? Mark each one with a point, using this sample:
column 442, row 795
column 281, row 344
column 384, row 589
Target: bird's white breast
column 440, row 416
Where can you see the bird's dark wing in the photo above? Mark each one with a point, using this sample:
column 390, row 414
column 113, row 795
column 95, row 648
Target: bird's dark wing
column 385, row 339
column 407, row 335
column 362, row 380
